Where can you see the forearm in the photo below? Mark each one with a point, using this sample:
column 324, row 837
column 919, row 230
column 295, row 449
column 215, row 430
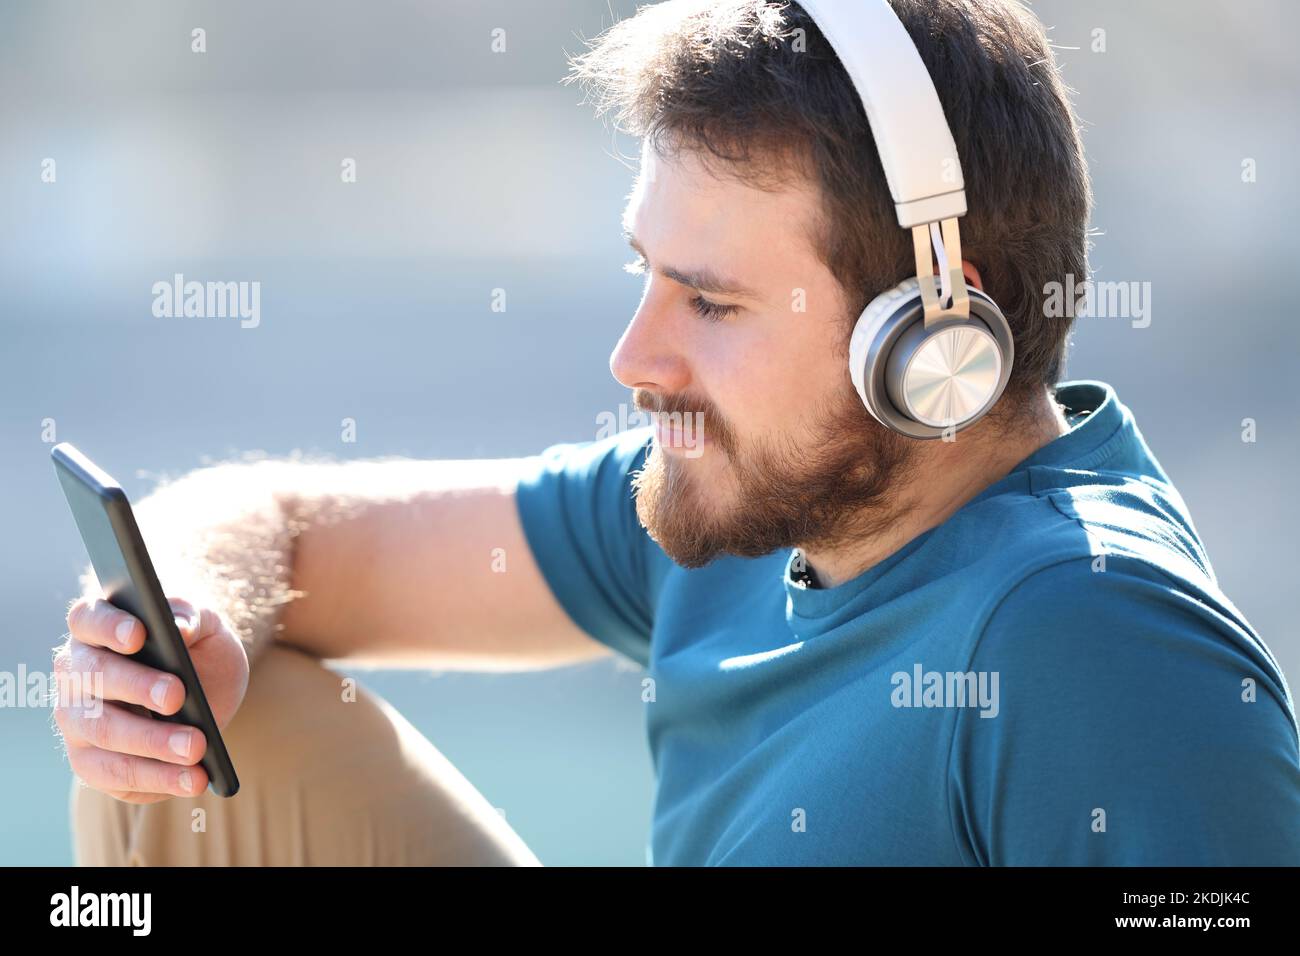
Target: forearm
column 381, row 568
column 221, row 538
column 421, row 563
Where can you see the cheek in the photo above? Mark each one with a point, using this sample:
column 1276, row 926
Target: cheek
column 778, row 387
column 746, row 380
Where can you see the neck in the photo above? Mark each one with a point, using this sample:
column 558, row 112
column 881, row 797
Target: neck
column 954, row 473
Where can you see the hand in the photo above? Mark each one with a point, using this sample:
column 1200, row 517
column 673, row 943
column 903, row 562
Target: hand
column 113, row 743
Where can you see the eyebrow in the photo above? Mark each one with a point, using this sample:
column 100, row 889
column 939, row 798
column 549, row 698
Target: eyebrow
column 702, row 280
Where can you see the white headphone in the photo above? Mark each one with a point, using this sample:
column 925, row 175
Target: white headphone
column 926, row 361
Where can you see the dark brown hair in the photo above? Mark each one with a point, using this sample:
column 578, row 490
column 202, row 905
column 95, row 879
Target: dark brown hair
column 757, row 92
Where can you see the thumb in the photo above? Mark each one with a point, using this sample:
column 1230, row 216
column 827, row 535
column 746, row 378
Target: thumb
column 189, row 619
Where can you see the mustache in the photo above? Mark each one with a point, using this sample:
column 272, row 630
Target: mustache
column 684, row 409
column 647, row 402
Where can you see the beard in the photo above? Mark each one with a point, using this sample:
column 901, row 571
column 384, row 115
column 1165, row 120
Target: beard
column 839, row 482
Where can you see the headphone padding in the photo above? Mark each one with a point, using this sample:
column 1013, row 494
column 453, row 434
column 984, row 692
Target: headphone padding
column 878, row 329
column 868, row 326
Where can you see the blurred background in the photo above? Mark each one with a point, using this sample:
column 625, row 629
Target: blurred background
column 477, row 170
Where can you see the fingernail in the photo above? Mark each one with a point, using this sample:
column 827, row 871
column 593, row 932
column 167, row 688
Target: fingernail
column 180, row 744
column 124, row 629
column 182, row 624
column 159, row 692
column 187, row 781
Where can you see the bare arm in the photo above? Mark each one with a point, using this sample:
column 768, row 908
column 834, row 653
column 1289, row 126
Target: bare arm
column 421, row 564
column 400, row 562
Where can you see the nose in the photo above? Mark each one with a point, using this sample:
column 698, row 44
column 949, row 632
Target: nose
column 649, row 353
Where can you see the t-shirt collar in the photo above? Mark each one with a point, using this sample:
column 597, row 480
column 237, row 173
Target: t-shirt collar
column 1097, row 420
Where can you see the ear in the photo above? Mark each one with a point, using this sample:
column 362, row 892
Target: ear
column 973, row 278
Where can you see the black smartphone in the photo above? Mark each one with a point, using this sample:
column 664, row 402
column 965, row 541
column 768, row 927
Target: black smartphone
column 126, row 574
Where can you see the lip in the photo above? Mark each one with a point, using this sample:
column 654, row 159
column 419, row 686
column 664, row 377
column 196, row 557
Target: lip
column 669, row 438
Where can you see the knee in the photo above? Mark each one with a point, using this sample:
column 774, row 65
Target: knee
column 330, row 774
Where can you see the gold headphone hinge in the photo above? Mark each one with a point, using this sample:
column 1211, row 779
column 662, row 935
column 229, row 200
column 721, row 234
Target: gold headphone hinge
column 927, row 246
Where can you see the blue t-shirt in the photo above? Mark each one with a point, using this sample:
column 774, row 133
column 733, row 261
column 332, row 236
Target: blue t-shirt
column 1052, row 676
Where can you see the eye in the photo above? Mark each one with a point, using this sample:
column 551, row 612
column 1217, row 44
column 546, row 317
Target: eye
column 713, row 311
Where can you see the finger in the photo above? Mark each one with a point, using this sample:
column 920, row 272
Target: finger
column 193, row 623
column 183, row 606
column 126, row 796
column 111, row 727
column 97, row 622
column 117, row 773
column 206, row 623
column 141, row 798
column 120, row 678
column 183, row 609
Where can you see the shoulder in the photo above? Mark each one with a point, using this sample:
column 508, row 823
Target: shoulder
column 1126, row 619
column 1134, row 724
column 1089, row 539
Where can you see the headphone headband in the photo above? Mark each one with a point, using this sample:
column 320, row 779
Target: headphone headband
column 923, row 361
column 907, row 121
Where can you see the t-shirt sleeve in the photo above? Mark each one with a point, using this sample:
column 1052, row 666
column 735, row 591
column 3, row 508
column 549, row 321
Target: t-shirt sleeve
column 1136, row 725
column 578, row 512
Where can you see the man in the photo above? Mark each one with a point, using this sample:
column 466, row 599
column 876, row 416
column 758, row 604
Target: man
column 1006, row 648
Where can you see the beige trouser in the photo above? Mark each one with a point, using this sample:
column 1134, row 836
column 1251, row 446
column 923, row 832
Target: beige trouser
column 323, row 782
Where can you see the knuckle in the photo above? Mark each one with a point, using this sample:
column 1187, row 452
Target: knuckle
column 98, row 730
column 75, row 725
column 61, row 718
column 84, row 625
column 94, row 614
column 76, row 614
column 77, row 681
column 126, row 772
column 87, row 660
column 113, row 771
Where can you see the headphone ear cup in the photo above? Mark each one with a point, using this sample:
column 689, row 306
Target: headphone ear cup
column 961, row 363
column 867, row 330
